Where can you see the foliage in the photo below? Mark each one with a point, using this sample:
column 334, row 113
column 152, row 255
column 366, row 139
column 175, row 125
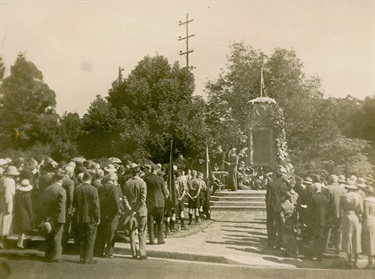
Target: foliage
column 154, row 105
column 311, row 122
column 25, row 90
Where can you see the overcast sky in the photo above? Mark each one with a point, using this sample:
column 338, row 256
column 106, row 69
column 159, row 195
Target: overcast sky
column 79, row 45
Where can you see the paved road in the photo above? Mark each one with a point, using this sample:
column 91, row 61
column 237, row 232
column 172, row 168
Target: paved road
column 29, row 264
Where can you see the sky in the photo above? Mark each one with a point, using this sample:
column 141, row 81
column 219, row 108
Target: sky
column 79, row 45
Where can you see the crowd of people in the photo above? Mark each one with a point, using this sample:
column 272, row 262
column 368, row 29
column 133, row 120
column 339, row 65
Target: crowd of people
column 90, row 203
column 338, row 212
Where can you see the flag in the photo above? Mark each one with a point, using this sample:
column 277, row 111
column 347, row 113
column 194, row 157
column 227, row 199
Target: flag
column 172, row 185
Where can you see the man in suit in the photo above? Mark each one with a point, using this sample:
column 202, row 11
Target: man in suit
column 135, row 192
column 155, row 205
column 86, row 204
column 275, row 192
column 53, row 204
column 336, row 191
column 68, row 186
column 111, row 208
column 320, row 206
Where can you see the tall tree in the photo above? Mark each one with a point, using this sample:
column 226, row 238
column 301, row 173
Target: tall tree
column 155, row 104
column 25, row 90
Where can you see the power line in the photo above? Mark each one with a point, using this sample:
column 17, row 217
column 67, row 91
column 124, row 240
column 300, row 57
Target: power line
column 186, row 38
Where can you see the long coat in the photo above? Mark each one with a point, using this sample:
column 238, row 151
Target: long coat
column 23, row 211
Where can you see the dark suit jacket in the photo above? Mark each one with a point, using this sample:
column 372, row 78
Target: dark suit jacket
column 321, row 203
column 45, row 180
column 277, row 188
column 135, row 195
column 68, row 186
column 86, row 203
column 155, row 191
column 53, row 202
column 109, row 197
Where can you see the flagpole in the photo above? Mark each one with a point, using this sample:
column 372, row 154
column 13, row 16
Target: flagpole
column 261, row 82
column 207, row 167
column 172, row 186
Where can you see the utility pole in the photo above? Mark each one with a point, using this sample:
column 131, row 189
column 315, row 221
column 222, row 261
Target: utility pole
column 186, row 38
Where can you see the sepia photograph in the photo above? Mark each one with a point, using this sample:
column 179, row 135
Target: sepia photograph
column 187, row 139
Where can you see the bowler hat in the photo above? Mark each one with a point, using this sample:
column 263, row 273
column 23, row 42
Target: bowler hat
column 11, row 170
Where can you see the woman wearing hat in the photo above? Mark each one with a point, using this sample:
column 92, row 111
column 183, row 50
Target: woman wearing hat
column 352, row 206
column 368, row 226
column 7, row 191
column 23, row 212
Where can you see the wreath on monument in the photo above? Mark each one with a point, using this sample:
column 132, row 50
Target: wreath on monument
column 276, row 116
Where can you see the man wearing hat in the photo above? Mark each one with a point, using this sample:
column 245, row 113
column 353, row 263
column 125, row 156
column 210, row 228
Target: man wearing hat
column 110, row 169
column 135, row 192
column 361, row 183
column 352, row 206
column 334, row 225
column 7, row 191
column 53, row 202
column 276, row 190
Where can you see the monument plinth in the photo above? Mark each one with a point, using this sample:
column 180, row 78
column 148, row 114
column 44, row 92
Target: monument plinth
column 266, row 135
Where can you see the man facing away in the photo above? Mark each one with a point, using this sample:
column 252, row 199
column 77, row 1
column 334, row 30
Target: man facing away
column 86, row 204
column 53, row 204
column 110, row 204
column 135, row 192
column 155, row 205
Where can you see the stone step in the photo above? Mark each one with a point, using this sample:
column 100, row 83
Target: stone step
column 244, row 203
column 237, row 208
column 238, row 198
column 241, row 193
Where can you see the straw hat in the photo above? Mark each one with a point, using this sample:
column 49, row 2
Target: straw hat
column 110, row 168
column 351, row 185
column 308, row 181
column 361, row 182
column 25, row 186
column 11, row 170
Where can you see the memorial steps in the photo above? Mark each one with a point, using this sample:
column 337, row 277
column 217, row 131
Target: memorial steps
column 241, row 200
